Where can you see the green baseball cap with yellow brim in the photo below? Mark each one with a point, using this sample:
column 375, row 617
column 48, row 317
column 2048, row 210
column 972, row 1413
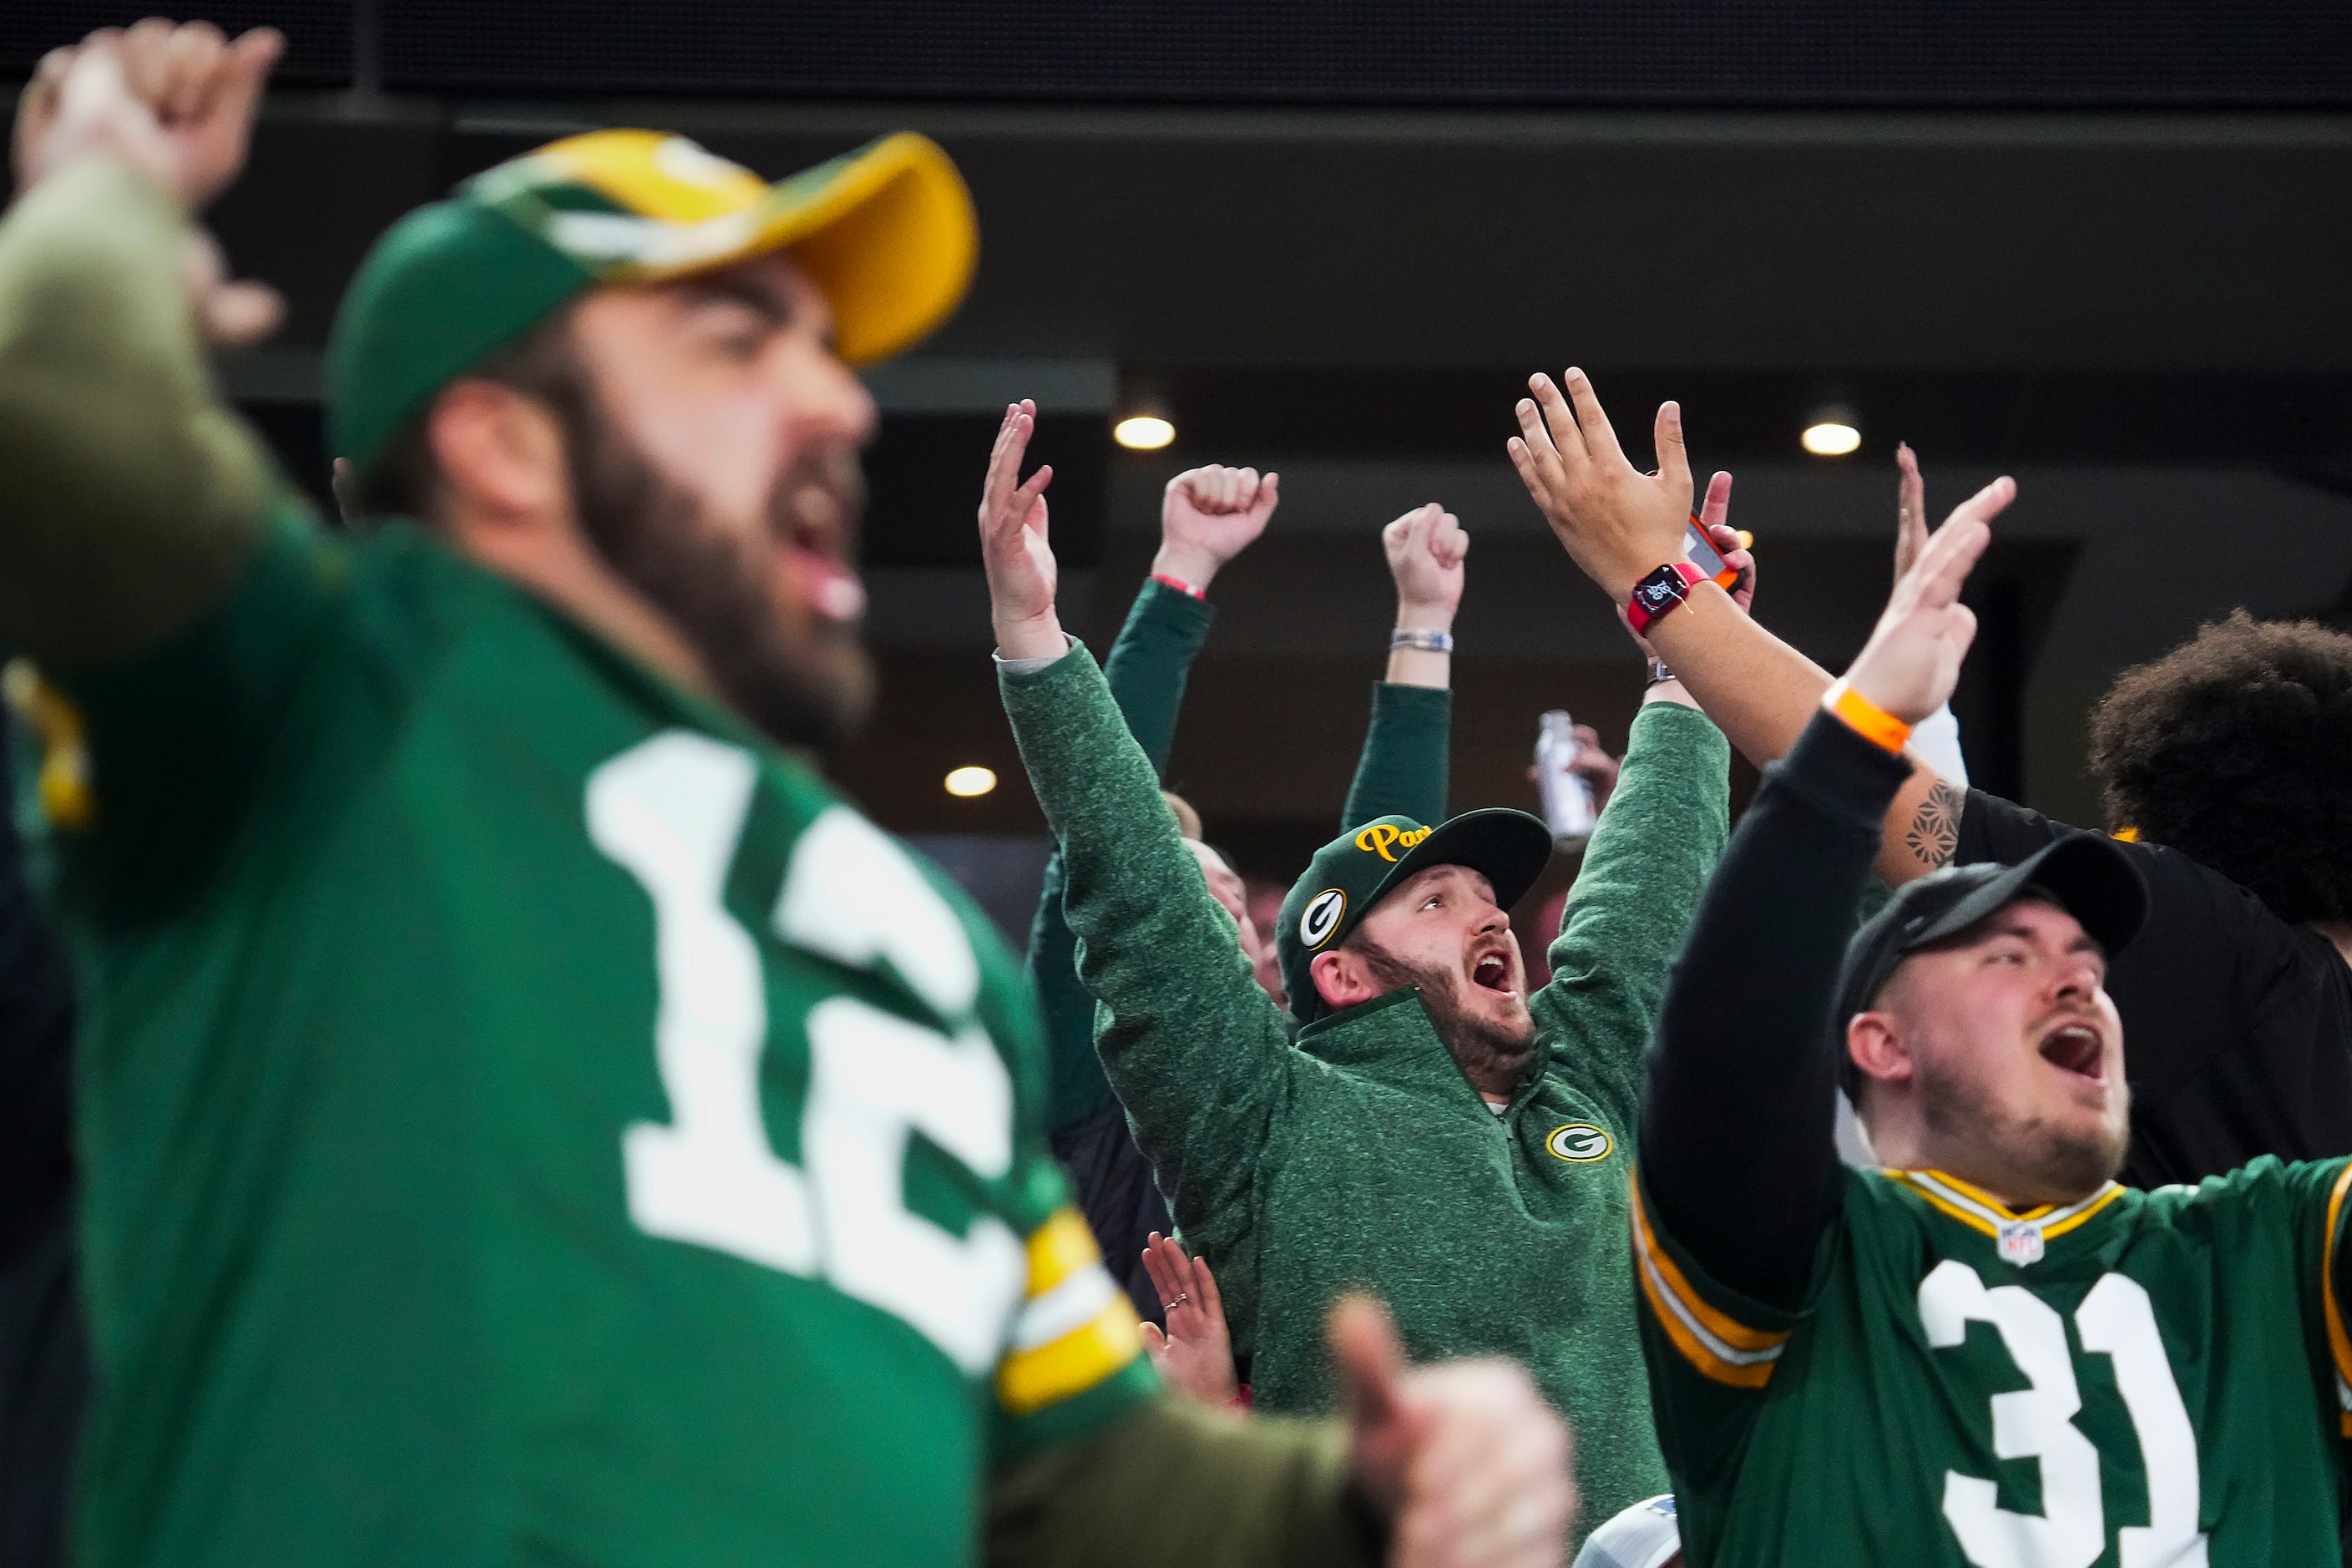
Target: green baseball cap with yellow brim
column 887, row 233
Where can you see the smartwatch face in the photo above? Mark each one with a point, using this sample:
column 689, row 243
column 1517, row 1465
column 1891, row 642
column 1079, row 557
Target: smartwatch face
column 1658, row 592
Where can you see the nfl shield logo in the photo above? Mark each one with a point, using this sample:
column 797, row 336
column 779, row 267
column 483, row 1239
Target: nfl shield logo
column 2020, row 1243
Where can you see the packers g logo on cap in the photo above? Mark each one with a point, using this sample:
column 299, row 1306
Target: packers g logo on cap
column 1322, row 916
column 1378, row 839
column 1580, row 1143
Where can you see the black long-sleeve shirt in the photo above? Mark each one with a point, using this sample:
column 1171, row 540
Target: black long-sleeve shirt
column 2239, row 1024
column 1739, row 1151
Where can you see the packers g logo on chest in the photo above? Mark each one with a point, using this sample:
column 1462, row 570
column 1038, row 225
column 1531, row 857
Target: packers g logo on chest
column 1580, row 1143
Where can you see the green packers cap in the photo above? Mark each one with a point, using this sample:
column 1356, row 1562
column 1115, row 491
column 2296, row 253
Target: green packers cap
column 886, row 232
column 1356, row 871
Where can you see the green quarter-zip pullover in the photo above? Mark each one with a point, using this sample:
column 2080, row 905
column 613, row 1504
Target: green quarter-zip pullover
column 1358, row 1155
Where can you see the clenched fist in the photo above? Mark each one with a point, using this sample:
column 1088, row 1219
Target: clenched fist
column 1208, row 516
column 1426, row 548
column 176, row 101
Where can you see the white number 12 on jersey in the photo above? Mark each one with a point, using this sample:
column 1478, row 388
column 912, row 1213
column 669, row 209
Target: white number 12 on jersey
column 670, row 812
column 2038, row 1423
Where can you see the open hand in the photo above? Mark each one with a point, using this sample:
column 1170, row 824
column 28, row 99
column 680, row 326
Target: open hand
column 175, row 101
column 1912, row 660
column 1426, row 548
column 1195, row 1354
column 1617, row 523
column 1208, row 516
column 1022, row 576
column 1463, row 1459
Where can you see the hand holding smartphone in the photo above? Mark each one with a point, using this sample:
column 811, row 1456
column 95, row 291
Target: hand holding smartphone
column 1706, row 556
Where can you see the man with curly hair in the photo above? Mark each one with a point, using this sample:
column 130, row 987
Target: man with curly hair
column 2227, row 767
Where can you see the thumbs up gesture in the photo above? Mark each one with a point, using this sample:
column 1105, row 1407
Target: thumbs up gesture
column 1465, row 1461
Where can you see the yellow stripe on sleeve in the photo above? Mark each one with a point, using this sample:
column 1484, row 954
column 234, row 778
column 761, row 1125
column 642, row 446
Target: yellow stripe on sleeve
column 1076, row 1329
column 1721, row 1347
column 64, row 780
column 1089, row 1354
column 2337, row 1341
column 1059, row 1249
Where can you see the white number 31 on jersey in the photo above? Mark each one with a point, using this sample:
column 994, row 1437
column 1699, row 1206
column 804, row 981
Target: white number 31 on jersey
column 2038, row 1423
column 670, row 812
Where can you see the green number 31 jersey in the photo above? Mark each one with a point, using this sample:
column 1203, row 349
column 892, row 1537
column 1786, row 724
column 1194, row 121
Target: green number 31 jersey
column 526, row 1117
column 2142, row 1379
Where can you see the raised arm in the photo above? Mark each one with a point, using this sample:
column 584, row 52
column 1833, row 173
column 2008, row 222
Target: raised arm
column 1738, row 1160
column 1207, row 516
column 1194, row 1049
column 1660, row 832
column 129, row 495
column 1620, row 525
column 1402, row 771
column 1935, row 740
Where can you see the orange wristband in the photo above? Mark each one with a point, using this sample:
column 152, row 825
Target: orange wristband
column 1865, row 718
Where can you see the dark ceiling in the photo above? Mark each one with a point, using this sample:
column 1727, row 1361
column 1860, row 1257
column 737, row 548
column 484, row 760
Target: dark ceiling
column 1882, row 53
column 2105, row 242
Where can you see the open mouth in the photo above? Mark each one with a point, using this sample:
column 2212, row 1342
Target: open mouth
column 814, row 528
column 2075, row 1048
column 1493, row 971
column 833, row 590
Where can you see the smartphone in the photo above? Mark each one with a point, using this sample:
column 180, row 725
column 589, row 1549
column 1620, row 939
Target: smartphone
column 1707, row 557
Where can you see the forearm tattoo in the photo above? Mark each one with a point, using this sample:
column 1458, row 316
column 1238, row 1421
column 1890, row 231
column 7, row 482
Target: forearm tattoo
column 1935, row 831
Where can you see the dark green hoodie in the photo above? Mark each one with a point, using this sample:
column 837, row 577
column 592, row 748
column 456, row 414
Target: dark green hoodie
column 1360, row 1155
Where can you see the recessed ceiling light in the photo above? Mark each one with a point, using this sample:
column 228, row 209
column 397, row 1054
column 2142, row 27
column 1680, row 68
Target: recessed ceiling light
column 1832, row 432
column 1143, row 432
column 971, row 781
column 1829, row 439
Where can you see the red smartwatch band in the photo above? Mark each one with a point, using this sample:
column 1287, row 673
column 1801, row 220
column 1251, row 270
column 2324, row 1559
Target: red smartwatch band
column 1659, row 591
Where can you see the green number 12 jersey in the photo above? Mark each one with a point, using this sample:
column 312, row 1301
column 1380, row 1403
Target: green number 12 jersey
column 2141, row 1380
column 526, row 1117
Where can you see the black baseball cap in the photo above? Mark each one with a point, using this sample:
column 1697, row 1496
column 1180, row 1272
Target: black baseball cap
column 1356, row 871
column 2091, row 878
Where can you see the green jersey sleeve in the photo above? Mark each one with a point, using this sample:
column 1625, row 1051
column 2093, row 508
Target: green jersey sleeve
column 1711, row 1352
column 159, row 577
column 1402, row 770
column 129, row 495
column 1072, row 1362
column 1197, row 1053
column 148, row 764
column 2320, row 1187
column 1145, row 671
column 1634, row 898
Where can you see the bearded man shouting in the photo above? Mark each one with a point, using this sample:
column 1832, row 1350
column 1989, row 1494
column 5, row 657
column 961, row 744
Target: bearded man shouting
column 1433, row 1132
